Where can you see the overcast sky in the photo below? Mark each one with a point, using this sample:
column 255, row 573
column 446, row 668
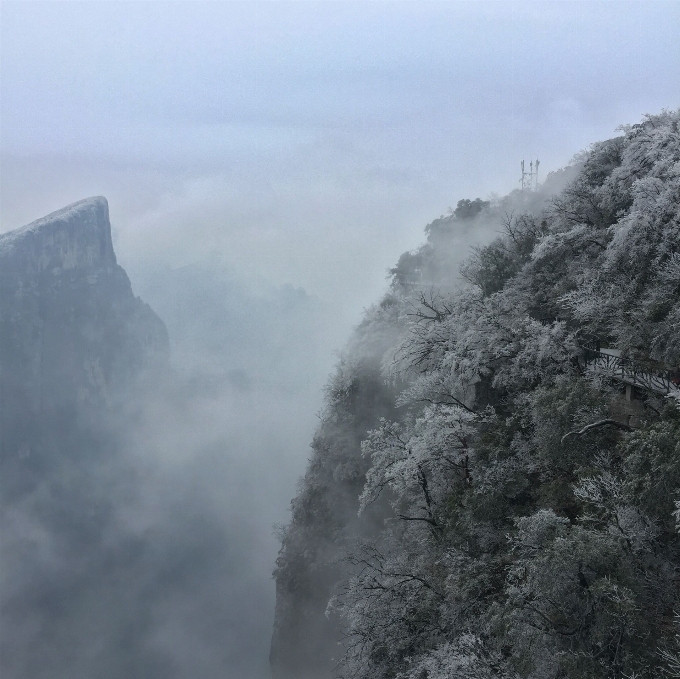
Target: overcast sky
column 292, row 143
column 309, row 143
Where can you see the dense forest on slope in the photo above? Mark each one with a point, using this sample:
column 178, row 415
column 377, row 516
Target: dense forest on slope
column 483, row 500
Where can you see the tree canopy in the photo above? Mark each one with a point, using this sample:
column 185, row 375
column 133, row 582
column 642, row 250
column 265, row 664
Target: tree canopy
column 504, row 513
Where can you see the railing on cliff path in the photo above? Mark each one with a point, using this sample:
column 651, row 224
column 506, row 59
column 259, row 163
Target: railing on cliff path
column 628, row 372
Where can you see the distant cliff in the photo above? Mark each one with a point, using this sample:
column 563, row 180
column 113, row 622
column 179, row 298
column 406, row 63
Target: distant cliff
column 74, row 343
column 71, row 330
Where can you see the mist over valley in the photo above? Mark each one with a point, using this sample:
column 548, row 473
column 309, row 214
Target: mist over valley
column 308, row 372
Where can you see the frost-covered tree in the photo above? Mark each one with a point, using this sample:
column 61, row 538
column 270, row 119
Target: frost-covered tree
column 510, row 519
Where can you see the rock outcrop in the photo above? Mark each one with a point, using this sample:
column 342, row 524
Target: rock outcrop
column 72, row 333
column 74, row 345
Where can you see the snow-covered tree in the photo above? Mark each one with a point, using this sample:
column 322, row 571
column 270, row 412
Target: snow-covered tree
column 509, row 519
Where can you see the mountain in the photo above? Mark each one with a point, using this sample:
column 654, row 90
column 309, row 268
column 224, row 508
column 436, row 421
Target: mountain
column 492, row 490
column 72, row 333
column 75, row 344
column 141, row 474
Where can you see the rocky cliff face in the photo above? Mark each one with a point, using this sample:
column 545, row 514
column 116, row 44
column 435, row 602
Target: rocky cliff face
column 72, row 333
column 74, row 341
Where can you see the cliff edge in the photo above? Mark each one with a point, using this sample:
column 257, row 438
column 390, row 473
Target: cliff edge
column 72, row 333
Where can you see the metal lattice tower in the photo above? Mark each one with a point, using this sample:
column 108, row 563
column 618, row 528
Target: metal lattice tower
column 529, row 180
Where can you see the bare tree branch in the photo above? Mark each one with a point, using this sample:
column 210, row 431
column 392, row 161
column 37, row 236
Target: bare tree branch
column 600, row 423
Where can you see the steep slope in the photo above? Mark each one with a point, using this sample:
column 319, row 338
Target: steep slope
column 74, row 341
column 72, row 333
column 529, row 495
column 311, row 565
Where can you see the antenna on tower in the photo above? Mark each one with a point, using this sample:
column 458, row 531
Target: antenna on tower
column 529, row 180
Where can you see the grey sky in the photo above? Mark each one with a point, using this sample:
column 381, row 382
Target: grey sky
column 309, row 142
column 289, row 143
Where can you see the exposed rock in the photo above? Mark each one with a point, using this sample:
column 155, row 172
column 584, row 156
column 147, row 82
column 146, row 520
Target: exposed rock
column 71, row 330
column 75, row 237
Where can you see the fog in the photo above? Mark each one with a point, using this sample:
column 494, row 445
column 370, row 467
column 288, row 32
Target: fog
column 309, row 142
column 265, row 164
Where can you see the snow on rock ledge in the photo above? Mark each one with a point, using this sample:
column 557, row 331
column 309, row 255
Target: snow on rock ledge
column 75, row 237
